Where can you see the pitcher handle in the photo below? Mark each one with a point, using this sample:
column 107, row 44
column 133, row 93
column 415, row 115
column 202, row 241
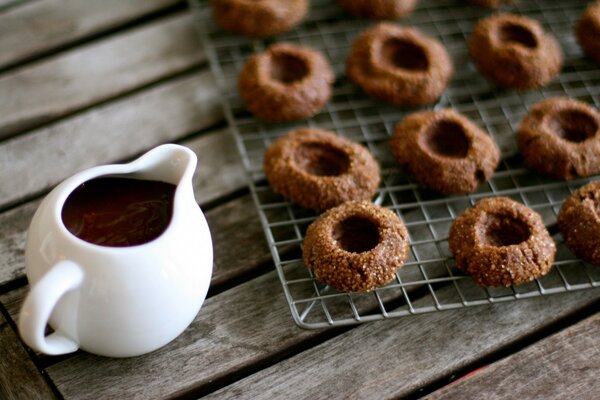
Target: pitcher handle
column 41, row 300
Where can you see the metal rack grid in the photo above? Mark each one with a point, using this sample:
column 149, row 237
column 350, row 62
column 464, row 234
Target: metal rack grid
column 429, row 281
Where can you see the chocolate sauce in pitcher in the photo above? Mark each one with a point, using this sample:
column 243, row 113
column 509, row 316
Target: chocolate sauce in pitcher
column 119, row 212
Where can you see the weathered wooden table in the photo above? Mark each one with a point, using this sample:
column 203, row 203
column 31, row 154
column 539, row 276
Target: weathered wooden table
column 88, row 83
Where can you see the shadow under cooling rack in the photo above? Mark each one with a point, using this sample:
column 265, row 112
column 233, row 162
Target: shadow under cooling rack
column 429, row 281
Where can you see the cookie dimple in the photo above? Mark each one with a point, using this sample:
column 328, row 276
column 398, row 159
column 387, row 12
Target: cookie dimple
column 444, row 151
column 579, row 222
column 318, row 170
column 321, row 159
column 514, row 52
column 259, row 18
column 288, row 68
column 511, row 33
column 356, row 234
column 399, row 65
column 446, row 138
column 504, row 230
column 572, row 125
column 560, row 137
column 500, row 242
column 286, row 83
column 404, row 54
column 356, row 247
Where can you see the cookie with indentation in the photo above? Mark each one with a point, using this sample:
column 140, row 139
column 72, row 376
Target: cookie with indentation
column 588, row 31
column 500, row 242
column 317, row 169
column 286, row 83
column 379, row 9
column 259, row 18
column 356, row 247
column 579, row 222
column 445, row 151
column 560, row 137
column 399, row 65
column 515, row 52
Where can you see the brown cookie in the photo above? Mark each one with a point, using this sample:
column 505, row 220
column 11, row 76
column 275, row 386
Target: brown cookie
column 286, row 83
column 356, row 247
column 588, row 31
column 579, row 222
column 399, row 65
column 514, row 52
column 560, row 137
column 259, row 18
column 500, row 242
column 379, row 9
column 319, row 170
column 491, row 3
column 445, row 151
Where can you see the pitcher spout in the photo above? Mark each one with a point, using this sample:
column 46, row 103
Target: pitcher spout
column 169, row 163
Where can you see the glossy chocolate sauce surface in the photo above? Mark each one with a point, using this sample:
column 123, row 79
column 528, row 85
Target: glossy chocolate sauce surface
column 119, row 212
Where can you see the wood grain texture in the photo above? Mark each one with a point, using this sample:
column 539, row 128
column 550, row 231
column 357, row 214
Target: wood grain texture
column 216, row 152
column 391, row 359
column 33, row 163
column 79, row 78
column 42, row 26
column 219, row 169
column 19, row 377
column 239, row 243
column 12, row 241
column 565, row 363
column 13, row 300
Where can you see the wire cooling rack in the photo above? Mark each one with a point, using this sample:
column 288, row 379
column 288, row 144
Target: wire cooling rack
column 429, row 281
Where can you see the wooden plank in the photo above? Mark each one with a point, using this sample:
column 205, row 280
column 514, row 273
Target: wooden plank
column 86, row 75
column 567, row 363
column 42, row 26
column 19, row 377
column 216, row 152
column 234, row 330
column 35, row 162
column 13, row 300
column 219, row 171
column 12, row 241
column 238, row 240
column 391, row 359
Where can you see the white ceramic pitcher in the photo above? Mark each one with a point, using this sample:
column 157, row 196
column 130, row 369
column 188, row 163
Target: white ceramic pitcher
column 117, row 301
